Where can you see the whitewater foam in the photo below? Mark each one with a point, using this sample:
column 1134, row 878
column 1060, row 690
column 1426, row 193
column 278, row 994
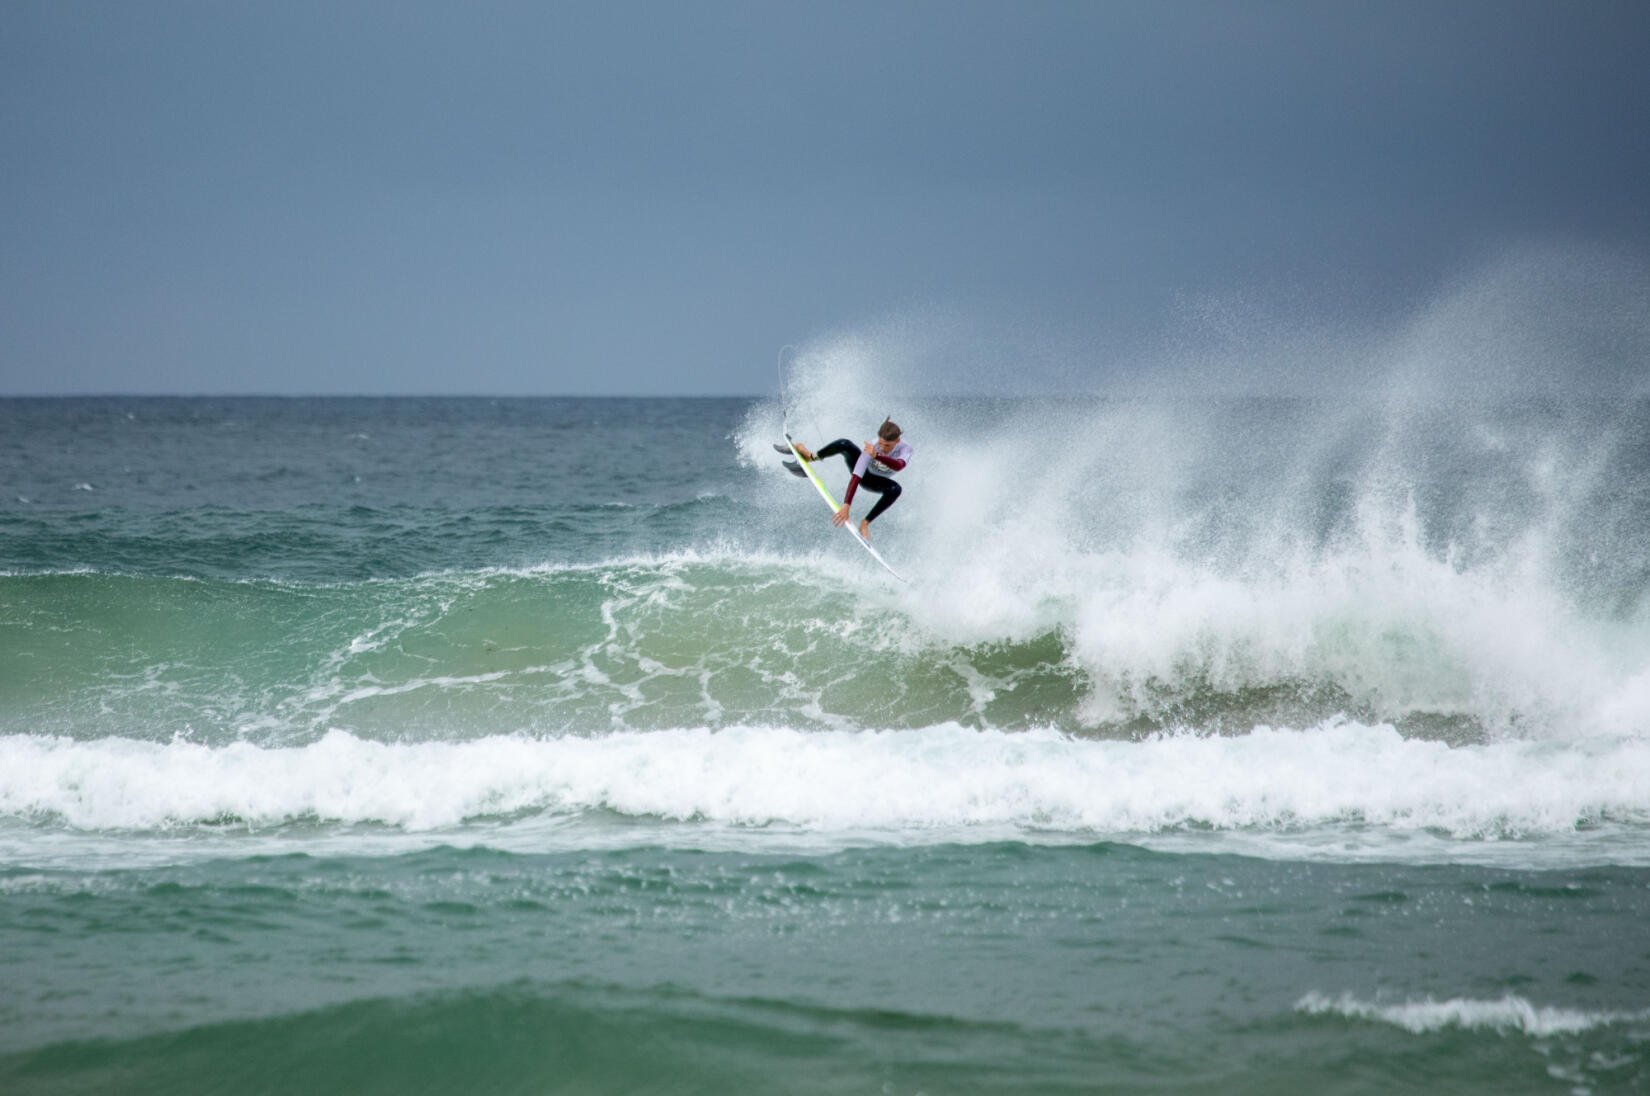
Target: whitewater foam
column 1363, row 783
column 1509, row 1013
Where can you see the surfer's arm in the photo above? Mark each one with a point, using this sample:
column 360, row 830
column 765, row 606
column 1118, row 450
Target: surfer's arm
column 873, row 455
column 860, row 465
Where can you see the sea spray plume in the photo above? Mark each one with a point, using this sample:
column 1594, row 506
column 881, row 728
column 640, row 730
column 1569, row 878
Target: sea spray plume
column 1515, row 432
column 1436, row 543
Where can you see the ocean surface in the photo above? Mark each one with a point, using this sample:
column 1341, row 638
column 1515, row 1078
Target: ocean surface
column 562, row 746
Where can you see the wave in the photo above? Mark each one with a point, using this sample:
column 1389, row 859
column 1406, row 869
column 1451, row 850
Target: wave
column 1509, row 1013
column 1469, row 571
column 939, row 783
column 1107, row 643
column 582, row 1037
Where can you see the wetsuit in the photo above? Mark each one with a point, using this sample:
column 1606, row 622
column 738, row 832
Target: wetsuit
column 873, row 472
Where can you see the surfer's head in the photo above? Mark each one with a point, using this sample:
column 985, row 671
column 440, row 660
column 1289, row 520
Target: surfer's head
column 889, row 430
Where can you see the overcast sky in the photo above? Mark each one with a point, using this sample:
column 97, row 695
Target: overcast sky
column 637, row 198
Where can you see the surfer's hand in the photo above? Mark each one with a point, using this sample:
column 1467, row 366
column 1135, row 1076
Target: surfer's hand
column 870, row 449
column 840, row 517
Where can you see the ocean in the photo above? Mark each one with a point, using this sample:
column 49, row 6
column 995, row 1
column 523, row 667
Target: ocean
column 1213, row 745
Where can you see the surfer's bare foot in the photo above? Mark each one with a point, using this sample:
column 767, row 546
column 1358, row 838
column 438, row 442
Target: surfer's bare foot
column 865, row 529
column 803, row 451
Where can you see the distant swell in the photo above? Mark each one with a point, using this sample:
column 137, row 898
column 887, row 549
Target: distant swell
column 570, row 1037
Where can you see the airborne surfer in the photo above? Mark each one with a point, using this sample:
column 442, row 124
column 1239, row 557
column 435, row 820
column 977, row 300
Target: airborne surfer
column 871, row 465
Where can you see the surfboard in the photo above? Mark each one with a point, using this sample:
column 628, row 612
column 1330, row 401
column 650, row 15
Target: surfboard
column 825, row 493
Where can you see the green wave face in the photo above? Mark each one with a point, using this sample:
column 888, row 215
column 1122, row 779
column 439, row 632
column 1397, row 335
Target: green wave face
column 639, row 645
column 690, row 641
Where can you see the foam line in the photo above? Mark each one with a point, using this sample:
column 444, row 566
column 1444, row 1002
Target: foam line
column 903, row 782
column 1509, row 1013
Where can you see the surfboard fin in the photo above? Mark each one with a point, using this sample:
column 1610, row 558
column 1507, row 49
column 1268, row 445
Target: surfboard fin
column 794, row 469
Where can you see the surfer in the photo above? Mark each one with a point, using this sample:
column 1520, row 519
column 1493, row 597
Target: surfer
column 871, row 465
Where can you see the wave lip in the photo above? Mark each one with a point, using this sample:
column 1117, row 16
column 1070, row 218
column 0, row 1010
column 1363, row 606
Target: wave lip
column 944, row 780
column 1509, row 1013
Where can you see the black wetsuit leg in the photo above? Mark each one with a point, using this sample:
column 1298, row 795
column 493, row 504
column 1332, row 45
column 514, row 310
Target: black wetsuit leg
column 886, row 488
column 843, row 448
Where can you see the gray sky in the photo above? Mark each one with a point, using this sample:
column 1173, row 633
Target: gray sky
column 630, row 198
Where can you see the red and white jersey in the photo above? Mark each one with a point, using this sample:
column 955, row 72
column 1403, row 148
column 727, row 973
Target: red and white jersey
column 885, row 464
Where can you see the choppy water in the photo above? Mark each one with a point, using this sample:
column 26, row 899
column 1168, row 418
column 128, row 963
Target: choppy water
column 560, row 745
